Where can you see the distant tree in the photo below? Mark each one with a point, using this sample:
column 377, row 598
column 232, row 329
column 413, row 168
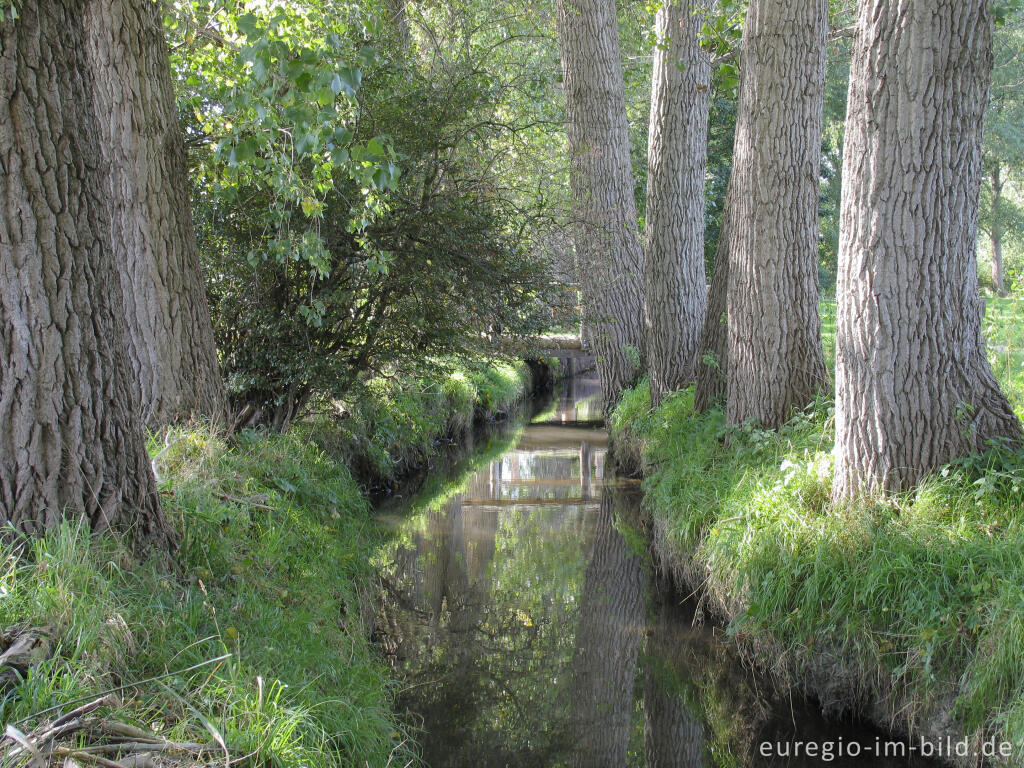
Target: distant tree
column 675, row 285
column 607, row 241
column 776, row 363
column 71, row 442
column 713, row 345
column 170, row 340
column 1003, row 147
column 914, row 388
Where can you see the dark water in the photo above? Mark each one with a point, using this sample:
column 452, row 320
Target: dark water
column 525, row 620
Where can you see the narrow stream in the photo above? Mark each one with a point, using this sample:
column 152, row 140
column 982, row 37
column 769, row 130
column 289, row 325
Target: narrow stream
column 524, row 618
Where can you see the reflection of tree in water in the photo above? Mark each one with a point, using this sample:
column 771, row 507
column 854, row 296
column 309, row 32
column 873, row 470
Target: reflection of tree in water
column 483, row 599
column 673, row 722
column 608, row 639
column 519, row 614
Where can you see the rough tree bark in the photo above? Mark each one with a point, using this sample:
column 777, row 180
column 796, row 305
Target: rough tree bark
column 776, row 362
column 71, row 443
column 170, row 339
column 713, row 346
column 607, row 240
column 913, row 386
column 675, row 286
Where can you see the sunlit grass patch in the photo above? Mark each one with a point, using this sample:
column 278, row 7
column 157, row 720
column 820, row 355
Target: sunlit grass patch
column 392, row 424
column 920, row 596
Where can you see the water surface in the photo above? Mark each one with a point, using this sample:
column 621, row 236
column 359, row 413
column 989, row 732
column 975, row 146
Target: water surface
column 526, row 623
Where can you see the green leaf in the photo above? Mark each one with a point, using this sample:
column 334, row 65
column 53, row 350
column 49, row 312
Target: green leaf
column 350, row 79
column 247, row 25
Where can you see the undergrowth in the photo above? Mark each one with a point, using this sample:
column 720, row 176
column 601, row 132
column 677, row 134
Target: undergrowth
column 257, row 634
column 391, row 426
column 921, row 597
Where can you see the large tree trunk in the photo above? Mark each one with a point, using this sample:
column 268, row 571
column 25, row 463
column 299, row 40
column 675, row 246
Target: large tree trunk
column 170, row 339
column 71, row 442
column 913, row 386
column 607, row 644
column 776, row 363
column 713, row 347
column 996, row 233
column 675, row 286
column 606, row 236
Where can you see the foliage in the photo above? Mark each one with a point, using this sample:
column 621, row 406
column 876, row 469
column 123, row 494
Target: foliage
column 1001, row 214
column 348, row 221
column 391, row 426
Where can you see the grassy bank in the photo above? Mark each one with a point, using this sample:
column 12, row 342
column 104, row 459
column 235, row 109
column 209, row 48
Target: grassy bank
column 908, row 611
column 273, row 568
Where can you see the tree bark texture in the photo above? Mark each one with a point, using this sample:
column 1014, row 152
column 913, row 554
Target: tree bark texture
column 675, row 285
column 607, row 240
column 170, row 338
column 776, row 362
column 713, row 346
column 612, row 617
column 913, row 385
column 71, row 443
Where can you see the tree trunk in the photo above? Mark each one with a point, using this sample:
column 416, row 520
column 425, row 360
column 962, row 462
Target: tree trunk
column 606, row 237
column 713, row 348
column 607, row 644
column 913, row 386
column 996, row 235
column 776, row 362
column 170, row 339
column 675, row 286
column 71, row 441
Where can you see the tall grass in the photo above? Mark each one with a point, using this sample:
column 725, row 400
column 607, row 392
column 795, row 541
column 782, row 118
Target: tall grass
column 916, row 601
column 273, row 572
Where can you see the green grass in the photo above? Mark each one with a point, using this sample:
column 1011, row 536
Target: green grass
column 391, row 426
column 273, row 568
column 1004, row 335
column 920, row 597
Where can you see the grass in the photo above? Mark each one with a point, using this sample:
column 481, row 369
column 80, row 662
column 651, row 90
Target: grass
column 1004, row 334
column 273, row 568
column 391, row 426
column 915, row 601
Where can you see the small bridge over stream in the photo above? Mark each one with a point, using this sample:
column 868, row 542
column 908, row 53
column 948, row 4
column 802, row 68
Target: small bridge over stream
column 575, row 355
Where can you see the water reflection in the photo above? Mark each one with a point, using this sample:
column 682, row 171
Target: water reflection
column 524, row 620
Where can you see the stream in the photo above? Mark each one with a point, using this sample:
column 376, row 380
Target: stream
column 528, row 627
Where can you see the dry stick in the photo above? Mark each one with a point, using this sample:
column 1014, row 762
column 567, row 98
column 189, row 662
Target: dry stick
column 246, row 502
column 135, row 684
column 77, row 754
column 146, row 746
